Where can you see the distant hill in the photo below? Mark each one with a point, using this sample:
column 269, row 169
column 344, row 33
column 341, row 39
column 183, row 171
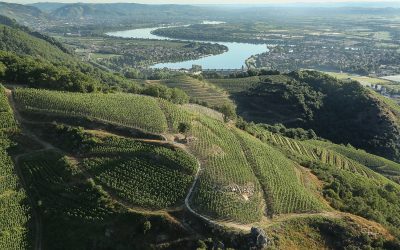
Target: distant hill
column 47, row 6
column 23, row 14
column 31, row 58
column 22, row 41
column 128, row 11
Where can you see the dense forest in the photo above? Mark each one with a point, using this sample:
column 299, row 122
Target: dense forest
column 341, row 111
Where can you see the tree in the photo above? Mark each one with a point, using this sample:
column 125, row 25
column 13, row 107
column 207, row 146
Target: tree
column 184, row 128
column 178, row 96
column 228, row 111
column 146, row 226
column 3, row 69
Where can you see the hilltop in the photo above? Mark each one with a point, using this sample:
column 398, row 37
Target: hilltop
column 341, row 111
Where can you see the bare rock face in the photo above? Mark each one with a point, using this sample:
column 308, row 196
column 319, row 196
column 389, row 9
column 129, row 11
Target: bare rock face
column 259, row 237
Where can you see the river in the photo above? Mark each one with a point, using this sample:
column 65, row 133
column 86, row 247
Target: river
column 234, row 58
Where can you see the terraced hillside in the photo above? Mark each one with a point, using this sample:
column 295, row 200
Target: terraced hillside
column 199, row 91
column 123, row 109
column 15, row 231
column 243, row 180
column 227, row 189
column 235, row 85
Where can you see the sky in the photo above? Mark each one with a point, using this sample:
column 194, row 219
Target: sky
column 200, row 1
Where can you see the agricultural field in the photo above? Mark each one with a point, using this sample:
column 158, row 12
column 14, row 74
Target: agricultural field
column 318, row 152
column 227, row 189
column 285, row 191
column 7, row 120
column 120, row 109
column 141, row 174
column 201, row 110
column 78, row 212
column 242, row 179
column 199, row 91
column 15, row 218
column 381, row 165
column 236, row 85
column 50, row 177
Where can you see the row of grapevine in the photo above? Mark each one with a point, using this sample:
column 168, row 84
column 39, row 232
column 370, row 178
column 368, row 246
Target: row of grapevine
column 129, row 110
column 140, row 173
column 15, row 212
column 138, row 182
column 284, row 191
column 381, row 165
column 198, row 90
column 318, row 153
column 170, row 157
column 51, row 182
column 201, row 110
column 227, row 188
column 7, row 120
column 234, row 85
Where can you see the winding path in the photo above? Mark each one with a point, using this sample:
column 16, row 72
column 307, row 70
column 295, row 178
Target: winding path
column 214, row 223
column 46, row 146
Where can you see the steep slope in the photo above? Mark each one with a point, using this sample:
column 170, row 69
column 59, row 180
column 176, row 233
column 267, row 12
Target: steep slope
column 341, row 111
column 15, row 39
column 16, row 213
column 228, row 188
column 242, row 179
column 199, row 91
column 31, row 58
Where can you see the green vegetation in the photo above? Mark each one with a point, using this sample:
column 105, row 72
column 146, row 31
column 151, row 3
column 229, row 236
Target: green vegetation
column 15, row 215
column 341, row 111
column 348, row 184
column 229, row 182
column 351, row 233
column 381, row 165
column 199, row 91
column 141, row 174
column 129, row 110
column 76, row 212
column 7, row 120
column 284, row 191
column 361, row 195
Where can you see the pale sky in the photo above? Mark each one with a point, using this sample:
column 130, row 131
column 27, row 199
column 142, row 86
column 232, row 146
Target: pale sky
column 200, row 1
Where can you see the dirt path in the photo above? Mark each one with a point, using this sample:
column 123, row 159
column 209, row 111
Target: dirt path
column 46, row 146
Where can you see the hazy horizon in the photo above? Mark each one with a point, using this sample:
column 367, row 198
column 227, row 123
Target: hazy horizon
column 233, row 2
